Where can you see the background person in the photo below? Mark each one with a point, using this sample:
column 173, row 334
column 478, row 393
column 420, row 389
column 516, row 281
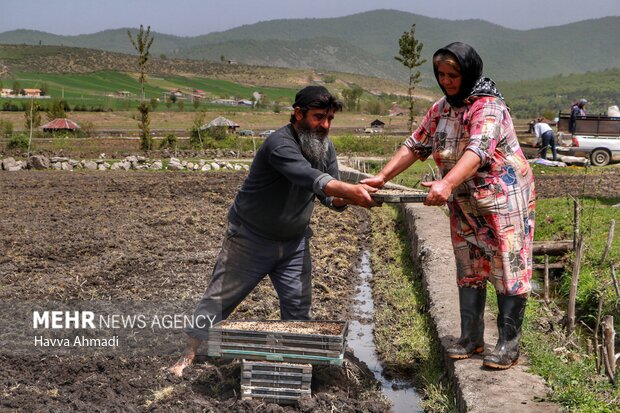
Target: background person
column 577, row 109
column 268, row 224
column 472, row 139
column 543, row 132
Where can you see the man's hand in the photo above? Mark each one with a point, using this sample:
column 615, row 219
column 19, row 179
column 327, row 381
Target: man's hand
column 439, row 192
column 358, row 194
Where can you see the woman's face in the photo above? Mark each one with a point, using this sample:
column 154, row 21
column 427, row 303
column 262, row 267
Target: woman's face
column 449, row 78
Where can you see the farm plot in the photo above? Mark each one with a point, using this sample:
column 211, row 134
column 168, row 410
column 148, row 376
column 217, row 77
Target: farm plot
column 147, row 237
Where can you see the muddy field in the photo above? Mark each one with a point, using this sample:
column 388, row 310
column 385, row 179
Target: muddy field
column 152, row 236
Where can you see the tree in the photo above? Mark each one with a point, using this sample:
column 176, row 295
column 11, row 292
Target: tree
column 195, row 133
column 352, row 96
column 142, row 43
column 32, row 115
column 410, row 56
column 146, row 140
column 16, row 87
column 56, row 110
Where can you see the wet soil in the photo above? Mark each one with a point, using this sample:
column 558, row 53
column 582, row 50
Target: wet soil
column 154, row 236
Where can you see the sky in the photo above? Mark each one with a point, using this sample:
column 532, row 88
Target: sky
column 196, row 17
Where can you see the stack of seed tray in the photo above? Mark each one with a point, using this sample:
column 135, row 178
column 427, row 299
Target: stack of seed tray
column 282, row 383
column 311, row 342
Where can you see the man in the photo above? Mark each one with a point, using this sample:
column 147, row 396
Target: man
column 578, row 109
column 544, row 133
column 268, row 223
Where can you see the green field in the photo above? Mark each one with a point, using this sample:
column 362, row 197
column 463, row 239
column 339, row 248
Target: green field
column 93, row 89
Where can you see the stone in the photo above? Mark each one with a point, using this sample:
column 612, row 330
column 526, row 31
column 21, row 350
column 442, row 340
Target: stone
column 131, row 159
column 157, row 165
column 57, row 166
column 215, row 166
column 237, row 167
column 172, row 166
column 90, row 165
column 190, row 166
column 39, row 162
column 175, row 160
column 205, row 168
column 66, row 166
column 7, row 163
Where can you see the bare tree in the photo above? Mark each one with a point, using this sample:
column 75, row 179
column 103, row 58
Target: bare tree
column 410, row 56
column 142, row 43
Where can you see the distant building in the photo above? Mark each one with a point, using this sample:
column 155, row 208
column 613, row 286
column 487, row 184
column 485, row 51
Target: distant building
column 227, row 102
column 232, row 62
column 396, row 110
column 199, row 93
column 244, row 102
column 5, row 93
column 32, row 92
column 60, row 124
column 124, row 94
column 377, row 124
column 221, row 121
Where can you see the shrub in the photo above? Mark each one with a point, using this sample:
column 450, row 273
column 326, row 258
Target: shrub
column 18, row 141
column 170, row 141
column 6, row 129
column 217, row 133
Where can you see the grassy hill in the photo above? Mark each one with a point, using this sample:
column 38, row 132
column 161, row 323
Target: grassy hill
column 367, row 43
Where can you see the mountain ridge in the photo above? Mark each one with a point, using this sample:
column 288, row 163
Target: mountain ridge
column 367, row 43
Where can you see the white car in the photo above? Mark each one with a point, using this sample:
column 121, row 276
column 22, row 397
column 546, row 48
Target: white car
column 600, row 149
column 266, row 133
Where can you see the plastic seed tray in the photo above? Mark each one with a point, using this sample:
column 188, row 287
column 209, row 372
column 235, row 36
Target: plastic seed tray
column 265, row 374
column 399, row 196
column 271, row 395
column 310, row 342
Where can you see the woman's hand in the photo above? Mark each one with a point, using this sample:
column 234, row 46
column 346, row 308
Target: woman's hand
column 376, row 181
column 439, row 192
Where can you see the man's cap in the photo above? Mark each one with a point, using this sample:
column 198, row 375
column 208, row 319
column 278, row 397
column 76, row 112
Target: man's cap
column 583, row 101
column 311, row 95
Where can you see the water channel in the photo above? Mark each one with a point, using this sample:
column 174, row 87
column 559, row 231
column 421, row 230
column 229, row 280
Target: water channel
column 360, row 339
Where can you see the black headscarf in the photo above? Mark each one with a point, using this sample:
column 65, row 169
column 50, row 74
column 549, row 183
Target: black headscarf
column 473, row 82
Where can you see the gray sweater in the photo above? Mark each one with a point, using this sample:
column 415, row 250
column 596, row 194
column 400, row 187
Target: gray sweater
column 277, row 197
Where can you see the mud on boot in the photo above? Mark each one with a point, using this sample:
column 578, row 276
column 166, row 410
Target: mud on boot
column 471, row 304
column 509, row 323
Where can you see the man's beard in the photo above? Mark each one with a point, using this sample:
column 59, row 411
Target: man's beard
column 314, row 143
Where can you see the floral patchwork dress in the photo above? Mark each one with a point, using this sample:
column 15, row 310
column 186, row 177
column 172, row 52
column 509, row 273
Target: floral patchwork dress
column 492, row 214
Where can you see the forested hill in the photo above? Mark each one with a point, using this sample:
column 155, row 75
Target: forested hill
column 367, row 43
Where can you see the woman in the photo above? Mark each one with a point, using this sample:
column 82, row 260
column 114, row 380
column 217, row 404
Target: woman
column 472, row 139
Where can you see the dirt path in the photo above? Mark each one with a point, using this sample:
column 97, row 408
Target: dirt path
column 152, row 236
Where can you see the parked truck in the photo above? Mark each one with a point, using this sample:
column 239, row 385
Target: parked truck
column 596, row 137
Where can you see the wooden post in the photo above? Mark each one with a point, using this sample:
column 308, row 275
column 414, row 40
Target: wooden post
column 609, row 335
column 574, row 284
column 546, row 279
column 598, row 358
column 613, row 277
column 576, row 221
column 610, row 238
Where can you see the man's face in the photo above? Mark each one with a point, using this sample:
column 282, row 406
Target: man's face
column 317, row 121
column 312, row 130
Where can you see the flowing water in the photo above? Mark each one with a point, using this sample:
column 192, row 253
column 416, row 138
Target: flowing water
column 402, row 394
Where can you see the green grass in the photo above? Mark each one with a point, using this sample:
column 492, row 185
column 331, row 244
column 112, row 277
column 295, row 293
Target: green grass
column 570, row 374
column 91, row 89
column 403, row 330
